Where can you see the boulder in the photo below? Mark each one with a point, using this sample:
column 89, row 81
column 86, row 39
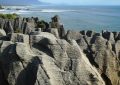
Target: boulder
column 117, row 49
column 2, row 22
column 54, row 31
column 8, row 27
column 36, row 32
column 69, row 58
column 109, row 36
column 106, row 61
column 82, row 43
column 2, row 32
column 18, row 37
column 43, row 38
column 28, row 27
column 73, row 35
column 118, row 37
column 90, row 33
column 115, row 35
column 83, row 32
column 17, row 23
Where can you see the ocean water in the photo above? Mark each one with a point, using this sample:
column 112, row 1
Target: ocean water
column 78, row 18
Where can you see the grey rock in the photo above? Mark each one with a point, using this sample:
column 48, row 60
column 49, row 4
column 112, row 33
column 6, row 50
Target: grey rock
column 82, row 43
column 2, row 32
column 117, row 49
column 28, row 27
column 18, row 37
column 73, row 35
column 109, row 36
column 118, row 37
column 36, row 32
column 83, row 32
column 90, row 33
column 54, row 31
column 18, row 23
column 56, row 58
column 106, row 60
column 8, row 27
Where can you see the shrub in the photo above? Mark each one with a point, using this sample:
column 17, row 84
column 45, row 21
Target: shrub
column 41, row 24
column 8, row 16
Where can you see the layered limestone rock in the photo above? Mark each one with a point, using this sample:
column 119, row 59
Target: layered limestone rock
column 48, row 61
column 33, row 53
column 102, row 52
column 2, row 33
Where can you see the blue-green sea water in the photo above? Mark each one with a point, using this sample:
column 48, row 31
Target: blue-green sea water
column 95, row 18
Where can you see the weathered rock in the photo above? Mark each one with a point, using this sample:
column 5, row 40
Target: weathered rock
column 82, row 43
column 106, row 60
column 2, row 32
column 28, row 28
column 61, row 31
column 55, row 23
column 90, row 33
column 115, row 35
column 18, row 37
column 8, row 27
column 42, row 58
column 36, row 32
column 2, row 22
column 73, row 35
column 17, row 23
column 10, row 70
column 118, row 37
column 109, row 36
column 69, row 58
column 43, row 38
column 83, row 32
column 117, row 49
column 54, row 31
column 25, row 52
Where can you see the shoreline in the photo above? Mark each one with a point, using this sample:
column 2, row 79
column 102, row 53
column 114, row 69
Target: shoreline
column 95, row 19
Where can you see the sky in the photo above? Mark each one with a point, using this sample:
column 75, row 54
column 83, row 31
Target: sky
column 84, row 2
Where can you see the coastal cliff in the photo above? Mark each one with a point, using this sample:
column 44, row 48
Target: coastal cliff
column 34, row 52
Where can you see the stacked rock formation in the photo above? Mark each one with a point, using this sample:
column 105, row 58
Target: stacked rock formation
column 30, row 55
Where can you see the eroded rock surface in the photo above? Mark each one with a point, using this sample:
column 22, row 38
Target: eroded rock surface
column 30, row 55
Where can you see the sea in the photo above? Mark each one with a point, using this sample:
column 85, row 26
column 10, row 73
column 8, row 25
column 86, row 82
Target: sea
column 96, row 18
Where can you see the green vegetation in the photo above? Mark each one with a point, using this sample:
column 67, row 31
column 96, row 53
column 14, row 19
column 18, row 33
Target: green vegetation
column 8, row 16
column 41, row 24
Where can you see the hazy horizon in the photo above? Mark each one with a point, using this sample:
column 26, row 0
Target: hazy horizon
column 63, row 2
column 83, row 2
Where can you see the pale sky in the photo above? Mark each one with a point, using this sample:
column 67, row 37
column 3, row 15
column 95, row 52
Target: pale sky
column 84, row 2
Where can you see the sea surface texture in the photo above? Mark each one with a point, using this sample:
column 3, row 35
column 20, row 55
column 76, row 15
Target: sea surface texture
column 95, row 18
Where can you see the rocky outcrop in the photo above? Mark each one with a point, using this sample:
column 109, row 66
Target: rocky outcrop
column 48, row 61
column 102, row 50
column 37, row 56
column 2, row 33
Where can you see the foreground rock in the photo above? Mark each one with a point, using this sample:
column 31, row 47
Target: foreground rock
column 48, row 61
column 103, row 52
column 30, row 55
